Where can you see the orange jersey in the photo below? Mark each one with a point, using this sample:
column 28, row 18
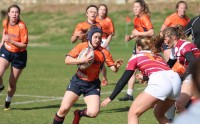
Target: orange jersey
column 174, row 19
column 142, row 23
column 101, row 55
column 83, row 27
column 18, row 33
column 107, row 26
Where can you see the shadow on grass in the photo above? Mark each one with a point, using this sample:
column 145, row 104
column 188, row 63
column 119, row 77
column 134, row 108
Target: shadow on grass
column 125, row 109
column 47, row 107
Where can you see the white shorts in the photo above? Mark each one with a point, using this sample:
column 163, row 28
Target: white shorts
column 103, row 41
column 164, row 84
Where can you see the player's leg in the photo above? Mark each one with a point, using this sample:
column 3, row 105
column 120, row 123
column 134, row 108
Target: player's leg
column 171, row 113
column 185, row 96
column 93, row 105
column 91, row 92
column 68, row 100
column 4, row 64
column 161, row 108
column 92, row 110
column 14, row 75
column 142, row 103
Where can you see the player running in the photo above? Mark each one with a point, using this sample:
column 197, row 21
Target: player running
column 86, row 81
column 13, row 50
column 82, row 27
column 142, row 27
column 108, row 32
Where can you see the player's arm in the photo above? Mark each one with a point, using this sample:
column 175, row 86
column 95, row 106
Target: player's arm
column 131, row 36
column 119, row 86
column 17, row 44
column 75, row 61
column 150, row 32
column 162, row 29
column 109, row 38
column 2, row 40
column 189, row 56
column 7, row 38
column 77, row 35
column 116, row 65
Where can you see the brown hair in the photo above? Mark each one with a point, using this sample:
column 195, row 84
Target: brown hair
column 144, row 6
column 90, row 7
column 156, row 43
column 179, row 2
column 195, row 71
column 105, row 7
column 143, row 42
column 176, row 31
column 8, row 18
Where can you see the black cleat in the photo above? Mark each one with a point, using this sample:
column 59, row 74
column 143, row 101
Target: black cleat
column 7, row 106
column 126, row 98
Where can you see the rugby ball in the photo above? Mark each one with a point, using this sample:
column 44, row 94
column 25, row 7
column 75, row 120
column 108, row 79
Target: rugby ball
column 86, row 52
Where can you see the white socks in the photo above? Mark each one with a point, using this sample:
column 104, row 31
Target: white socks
column 8, row 99
column 130, row 92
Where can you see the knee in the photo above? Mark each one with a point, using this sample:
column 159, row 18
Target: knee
column 134, row 113
column 93, row 113
column 63, row 111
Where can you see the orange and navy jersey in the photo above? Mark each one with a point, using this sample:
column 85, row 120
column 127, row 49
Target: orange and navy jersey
column 83, row 27
column 18, row 33
column 174, row 20
column 147, row 63
column 142, row 23
column 101, row 55
column 181, row 48
column 107, row 26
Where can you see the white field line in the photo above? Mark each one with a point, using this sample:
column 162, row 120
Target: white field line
column 53, row 98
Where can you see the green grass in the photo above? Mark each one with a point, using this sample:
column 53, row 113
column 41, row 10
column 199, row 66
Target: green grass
column 47, row 75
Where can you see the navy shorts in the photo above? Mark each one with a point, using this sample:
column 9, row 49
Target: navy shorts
column 17, row 59
column 86, row 88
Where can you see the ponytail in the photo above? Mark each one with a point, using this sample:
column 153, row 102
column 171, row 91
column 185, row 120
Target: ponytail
column 143, row 42
column 176, row 31
column 156, row 42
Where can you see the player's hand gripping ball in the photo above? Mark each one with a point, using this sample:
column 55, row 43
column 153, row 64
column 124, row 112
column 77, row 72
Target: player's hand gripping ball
column 89, row 53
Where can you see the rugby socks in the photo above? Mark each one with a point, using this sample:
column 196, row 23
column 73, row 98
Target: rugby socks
column 83, row 113
column 130, row 92
column 58, row 120
column 171, row 113
column 8, row 98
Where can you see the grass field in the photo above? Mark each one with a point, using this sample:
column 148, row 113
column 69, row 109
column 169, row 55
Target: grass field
column 43, row 83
